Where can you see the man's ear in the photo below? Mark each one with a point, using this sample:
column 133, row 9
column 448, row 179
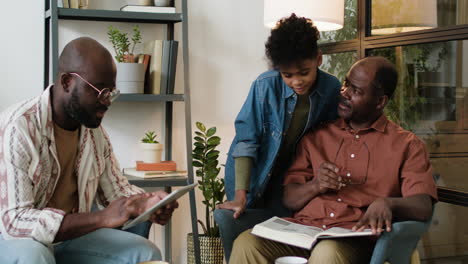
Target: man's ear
column 383, row 100
column 66, row 81
column 319, row 58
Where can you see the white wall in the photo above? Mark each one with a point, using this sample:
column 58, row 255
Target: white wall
column 226, row 53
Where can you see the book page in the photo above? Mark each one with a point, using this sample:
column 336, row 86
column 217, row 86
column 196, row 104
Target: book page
column 344, row 232
column 287, row 226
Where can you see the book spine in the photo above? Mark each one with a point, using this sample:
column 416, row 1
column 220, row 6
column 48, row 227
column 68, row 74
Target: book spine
column 165, row 65
column 172, row 66
column 155, row 49
column 74, row 4
column 66, row 3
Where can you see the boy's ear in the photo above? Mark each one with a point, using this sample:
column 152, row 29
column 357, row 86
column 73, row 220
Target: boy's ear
column 319, row 58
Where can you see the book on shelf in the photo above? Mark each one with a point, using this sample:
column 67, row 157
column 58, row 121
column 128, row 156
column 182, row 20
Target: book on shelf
column 162, row 66
column 65, row 3
column 154, row 48
column 148, row 9
column 167, row 165
column 298, row 235
column 153, row 174
column 74, row 3
column 172, row 67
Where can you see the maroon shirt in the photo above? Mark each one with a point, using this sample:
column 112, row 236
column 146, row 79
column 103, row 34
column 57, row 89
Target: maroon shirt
column 381, row 161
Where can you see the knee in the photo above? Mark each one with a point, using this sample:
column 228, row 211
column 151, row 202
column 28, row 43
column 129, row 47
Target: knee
column 326, row 251
column 26, row 252
column 246, row 242
column 146, row 251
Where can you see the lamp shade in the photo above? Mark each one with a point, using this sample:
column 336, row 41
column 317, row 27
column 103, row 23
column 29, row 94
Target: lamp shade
column 327, row 15
column 395, row 16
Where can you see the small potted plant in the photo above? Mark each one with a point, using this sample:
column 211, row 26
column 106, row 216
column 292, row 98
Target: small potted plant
column 130, row 74
column 152, row 149
column 205, row 159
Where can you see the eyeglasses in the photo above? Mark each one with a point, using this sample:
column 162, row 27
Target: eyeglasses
column 105, row 94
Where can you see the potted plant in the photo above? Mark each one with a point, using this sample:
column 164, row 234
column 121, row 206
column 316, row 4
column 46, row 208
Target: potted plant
column 151, row 148
column 205, row 160
column 130, row 74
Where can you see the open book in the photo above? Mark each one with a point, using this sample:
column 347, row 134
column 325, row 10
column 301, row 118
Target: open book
column 168, row 199
column 298, row 235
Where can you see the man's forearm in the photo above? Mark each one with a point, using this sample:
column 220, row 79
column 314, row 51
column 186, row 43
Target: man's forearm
column 75, row 225
column 417, row 207
column 296, row 196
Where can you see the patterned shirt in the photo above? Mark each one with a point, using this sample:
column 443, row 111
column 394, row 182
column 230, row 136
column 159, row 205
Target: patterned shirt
column 383, row 160
column 29, row 171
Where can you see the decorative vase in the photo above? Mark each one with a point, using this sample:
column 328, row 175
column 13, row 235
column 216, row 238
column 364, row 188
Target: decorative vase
column 211, row 250
column 130, row 77
column 152, row 152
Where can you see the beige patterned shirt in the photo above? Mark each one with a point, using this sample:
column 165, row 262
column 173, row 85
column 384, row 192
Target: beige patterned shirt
column 29, row 171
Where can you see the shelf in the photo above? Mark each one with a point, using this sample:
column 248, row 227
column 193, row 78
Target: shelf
column 150, row 97
column 158, row 182
column 116, row 16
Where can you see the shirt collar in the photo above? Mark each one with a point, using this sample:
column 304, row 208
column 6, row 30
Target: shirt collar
column 379, row 125
column 318, row 87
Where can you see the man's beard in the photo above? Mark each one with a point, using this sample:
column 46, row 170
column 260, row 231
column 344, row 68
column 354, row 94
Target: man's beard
column 76, row 112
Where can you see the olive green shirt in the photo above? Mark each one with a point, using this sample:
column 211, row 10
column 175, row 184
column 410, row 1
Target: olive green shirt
column 243, row 165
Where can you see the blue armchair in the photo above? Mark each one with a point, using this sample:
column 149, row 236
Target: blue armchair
column 395, row 247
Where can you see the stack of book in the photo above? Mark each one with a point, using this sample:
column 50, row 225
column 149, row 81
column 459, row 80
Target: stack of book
column 155, row 170
column 162, row 67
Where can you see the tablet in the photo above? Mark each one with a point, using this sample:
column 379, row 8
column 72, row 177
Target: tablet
column 166, row 200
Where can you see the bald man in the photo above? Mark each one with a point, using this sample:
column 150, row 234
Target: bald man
column 56, row 160
column 361, row 171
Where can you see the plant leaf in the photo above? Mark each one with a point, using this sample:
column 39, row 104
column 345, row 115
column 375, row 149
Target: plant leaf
column 201, row 126
column 211, row 132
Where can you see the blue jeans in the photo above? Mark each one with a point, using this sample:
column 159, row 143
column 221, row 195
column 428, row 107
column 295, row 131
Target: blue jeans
column 103, row 246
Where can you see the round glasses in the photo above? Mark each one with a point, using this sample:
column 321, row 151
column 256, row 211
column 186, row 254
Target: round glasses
column 105, row 94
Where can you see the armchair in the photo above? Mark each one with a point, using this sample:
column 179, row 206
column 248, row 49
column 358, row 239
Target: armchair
column 395, row 247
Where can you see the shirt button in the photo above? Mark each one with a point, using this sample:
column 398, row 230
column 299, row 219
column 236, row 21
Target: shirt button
column 348, row 174
column 339, row 200
column 324, row 226
column 352, row 156
column 332, row 214
column 357, row 136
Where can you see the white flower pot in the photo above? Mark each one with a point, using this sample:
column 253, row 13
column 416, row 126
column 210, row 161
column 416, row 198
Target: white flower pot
column 130, row 77
column 152, row 152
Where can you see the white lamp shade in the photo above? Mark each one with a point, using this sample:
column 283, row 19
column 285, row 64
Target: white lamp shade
column 395, row 16
column 327, row 15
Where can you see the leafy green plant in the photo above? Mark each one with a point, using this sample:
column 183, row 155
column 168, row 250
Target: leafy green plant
column 150, row 137
column 122, row 44
column 205, row 159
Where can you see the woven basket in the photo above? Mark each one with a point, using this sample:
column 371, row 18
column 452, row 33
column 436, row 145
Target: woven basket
column 211, row 250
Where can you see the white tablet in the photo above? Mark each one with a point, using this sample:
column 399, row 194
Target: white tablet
column 168, row 199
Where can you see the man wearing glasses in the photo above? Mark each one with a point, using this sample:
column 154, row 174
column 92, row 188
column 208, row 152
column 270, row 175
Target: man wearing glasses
column 361, row 171
column 56, row 160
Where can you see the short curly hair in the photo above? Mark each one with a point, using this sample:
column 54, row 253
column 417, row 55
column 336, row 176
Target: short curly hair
column 292, row 39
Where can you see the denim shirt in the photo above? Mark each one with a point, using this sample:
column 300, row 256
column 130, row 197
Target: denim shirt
column 265, row 117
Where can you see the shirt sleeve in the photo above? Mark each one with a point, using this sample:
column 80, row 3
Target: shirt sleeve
column 416, row 172
column 243, row 168
column 18, row 215
column 112, row 183
column 249, row 124
column 301, row 169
